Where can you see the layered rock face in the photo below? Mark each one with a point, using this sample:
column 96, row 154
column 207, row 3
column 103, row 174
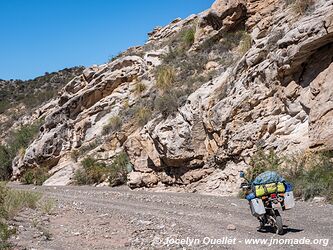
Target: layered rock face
column 277, row 94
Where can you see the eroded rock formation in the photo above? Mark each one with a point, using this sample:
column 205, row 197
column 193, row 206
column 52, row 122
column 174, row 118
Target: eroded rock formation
column 277, row 94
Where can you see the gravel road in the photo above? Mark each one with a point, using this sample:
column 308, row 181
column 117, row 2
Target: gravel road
column 118, row 218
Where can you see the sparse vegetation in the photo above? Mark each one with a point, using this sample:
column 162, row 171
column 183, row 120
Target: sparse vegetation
column 12, row 202
column 16, row 200
column 182, row 72
column 119, row 166
column 263, row 161
column 5, row 234
column 47, row 206
column 75, row 154
column 22, row 137
column 35, row 176
column 18, row 98
column 167, row 103
column 94, row 172
column 113, row 125
column 232, row 40
column 245, row 43
column 301, row 7
column 115, row 57
column 310, row 173
column 140, row 88
column 140, row 112
column 17, row 142
column 142, row 115
column 4, row 105
column 165, row 77
column 34, row 92
column 173, row 55
column 187, row 37
column 5, row 162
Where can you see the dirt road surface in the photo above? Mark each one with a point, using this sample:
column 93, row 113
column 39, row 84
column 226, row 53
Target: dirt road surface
column 118, row 218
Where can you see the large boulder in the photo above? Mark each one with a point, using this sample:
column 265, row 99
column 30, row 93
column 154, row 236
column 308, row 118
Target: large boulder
column 321, row 111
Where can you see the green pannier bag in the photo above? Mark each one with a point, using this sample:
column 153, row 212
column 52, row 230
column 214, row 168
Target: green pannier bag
column 266, row 189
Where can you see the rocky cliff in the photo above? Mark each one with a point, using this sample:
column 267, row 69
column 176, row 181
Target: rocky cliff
column 194, row 103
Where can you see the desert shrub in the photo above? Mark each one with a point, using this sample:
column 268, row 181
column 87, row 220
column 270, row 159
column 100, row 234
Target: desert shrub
column 312, row 175
column 75, row 154
column 5, row 163
column 191, row 66
column 12, row 202
column 47, row 206
column 4, row 105
column 119, row 170
column 167, row 103
column 94, row 172
column 140, row 88
column 17, row 143
column 5, row 234
column 38, row 98
column 142, row 115
column 227, row 59
column 263, row 161
column 16, row 200
column 165, row 77
column 139, row 112
column 245, row 43
column 81, row 177
column 173, row 56
column 187, row 37
column 23, row 136
column 28, row 177
column 114, row 57
column 232, row 39
column 113, row 125
column 213, row 44
column 182, row 40
column 3, row 194
column 189, row 70
column 35, row 176
column 229, row 41
column 301, row 7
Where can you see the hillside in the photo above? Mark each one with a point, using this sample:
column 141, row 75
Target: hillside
column 19, row 97
column 190, row 108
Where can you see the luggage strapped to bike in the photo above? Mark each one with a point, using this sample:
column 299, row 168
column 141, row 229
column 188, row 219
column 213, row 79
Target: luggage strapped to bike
column 266, row 191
